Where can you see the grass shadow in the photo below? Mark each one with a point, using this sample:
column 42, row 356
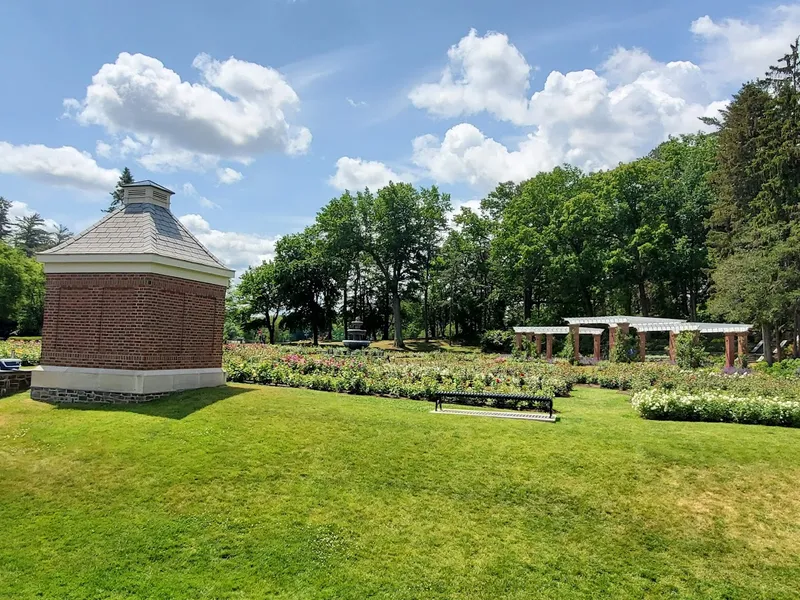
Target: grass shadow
column 175, row 406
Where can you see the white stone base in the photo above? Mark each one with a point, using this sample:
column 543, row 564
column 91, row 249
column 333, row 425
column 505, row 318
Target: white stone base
column 125, row 381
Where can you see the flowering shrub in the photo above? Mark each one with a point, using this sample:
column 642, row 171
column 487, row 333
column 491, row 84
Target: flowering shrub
column 497, row 341
column 716, row 407
column 28, row 352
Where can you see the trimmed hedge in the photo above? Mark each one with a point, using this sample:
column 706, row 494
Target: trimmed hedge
column 716, row 407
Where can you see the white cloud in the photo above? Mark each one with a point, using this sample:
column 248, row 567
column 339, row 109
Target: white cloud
column 21, row 209
column 484, row 74
column 356, row 104
column 240, row 109
column 356, row 174
column 466, row 154
column 103, row 149
column 735, row 51
column 64, row 166
column 191, row 192
column 228, row 175
column 237, row 250
column 591, row 119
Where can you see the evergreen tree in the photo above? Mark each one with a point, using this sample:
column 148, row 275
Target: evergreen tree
column 118, row 193
column 61, row 235
column 30, row 235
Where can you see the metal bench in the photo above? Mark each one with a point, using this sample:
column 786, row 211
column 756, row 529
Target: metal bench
column 542, row 403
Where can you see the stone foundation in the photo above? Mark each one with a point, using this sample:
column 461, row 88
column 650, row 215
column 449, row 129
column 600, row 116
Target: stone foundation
column 12, row 382
column 60, row 396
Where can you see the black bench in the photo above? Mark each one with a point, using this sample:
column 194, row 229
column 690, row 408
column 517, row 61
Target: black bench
column 542, row 403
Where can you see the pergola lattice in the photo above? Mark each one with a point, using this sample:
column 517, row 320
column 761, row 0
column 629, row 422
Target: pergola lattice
column 621, row 324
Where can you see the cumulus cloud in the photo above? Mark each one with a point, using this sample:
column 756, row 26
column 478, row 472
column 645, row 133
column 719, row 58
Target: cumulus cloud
column 237, row 250
column 466, row 154
column 65, row 166
column 735, row 50
column 228, row 175
column 238, row 110
column 592, row 119
column 483, row 74
column 356, row 174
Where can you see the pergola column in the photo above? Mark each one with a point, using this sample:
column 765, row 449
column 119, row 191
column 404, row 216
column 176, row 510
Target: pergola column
column 742, row 345
column 729, row 350
column 529, row 336
column 549, row 346
column 575, row 330
column 612, row 338
column 518, row 342
column 538, row 344
column 672, row 335
column 597, row 346
column 642, row 345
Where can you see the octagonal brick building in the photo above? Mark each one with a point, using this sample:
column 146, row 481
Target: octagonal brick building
column 134, row 308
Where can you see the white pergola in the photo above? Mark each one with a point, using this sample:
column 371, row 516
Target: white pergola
column 621, row 324
column 732, row 332
column 550, row 331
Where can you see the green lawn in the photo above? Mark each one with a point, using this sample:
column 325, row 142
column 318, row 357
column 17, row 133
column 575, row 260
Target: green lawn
column 251, row 492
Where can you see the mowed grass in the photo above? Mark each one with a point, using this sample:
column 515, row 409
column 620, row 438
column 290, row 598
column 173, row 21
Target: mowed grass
column 249, row 492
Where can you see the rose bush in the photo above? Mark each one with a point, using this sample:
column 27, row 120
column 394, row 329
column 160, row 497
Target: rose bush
column 410, row 375
column 716, row 407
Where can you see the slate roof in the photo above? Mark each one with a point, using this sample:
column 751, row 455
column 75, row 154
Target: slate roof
column 139, row 228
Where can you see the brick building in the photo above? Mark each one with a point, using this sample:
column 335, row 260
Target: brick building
column 134, row 308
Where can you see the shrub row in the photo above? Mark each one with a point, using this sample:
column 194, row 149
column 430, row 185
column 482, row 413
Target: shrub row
column 716, row 407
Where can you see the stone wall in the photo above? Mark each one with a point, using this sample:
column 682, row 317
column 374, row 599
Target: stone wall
column 12, row 382
column 59, row 396
column 136, row 321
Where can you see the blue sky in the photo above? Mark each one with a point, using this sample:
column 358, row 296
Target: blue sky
column 257, row 113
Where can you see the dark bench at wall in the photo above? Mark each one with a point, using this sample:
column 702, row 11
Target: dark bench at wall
column 541, row 403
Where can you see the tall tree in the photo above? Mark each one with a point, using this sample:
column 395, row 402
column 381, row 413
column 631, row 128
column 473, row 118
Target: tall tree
column 338, row 227
column 5, row 219
column 118, row 193
column 12, row 287
column 262, row 298
column 304, row 275
column 390, row 227
column 30, row 235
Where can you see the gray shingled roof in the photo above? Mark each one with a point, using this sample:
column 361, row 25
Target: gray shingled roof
column 139, row 228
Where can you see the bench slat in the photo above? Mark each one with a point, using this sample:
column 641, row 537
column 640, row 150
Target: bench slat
column 544, row 402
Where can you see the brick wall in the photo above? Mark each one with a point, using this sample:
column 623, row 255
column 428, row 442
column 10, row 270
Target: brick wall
column 132, row 321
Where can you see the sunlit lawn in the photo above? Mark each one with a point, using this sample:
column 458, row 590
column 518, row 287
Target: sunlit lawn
column 251, row 492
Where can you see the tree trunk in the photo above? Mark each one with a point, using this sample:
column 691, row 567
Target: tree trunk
column 315, row 331
column 796, row 341
column 398, row 325
column 778, row 350
column 766, row 338
column 644, row 302
column 527, row 303
column 425, row 309
column 271, row 328
column 344, row 307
